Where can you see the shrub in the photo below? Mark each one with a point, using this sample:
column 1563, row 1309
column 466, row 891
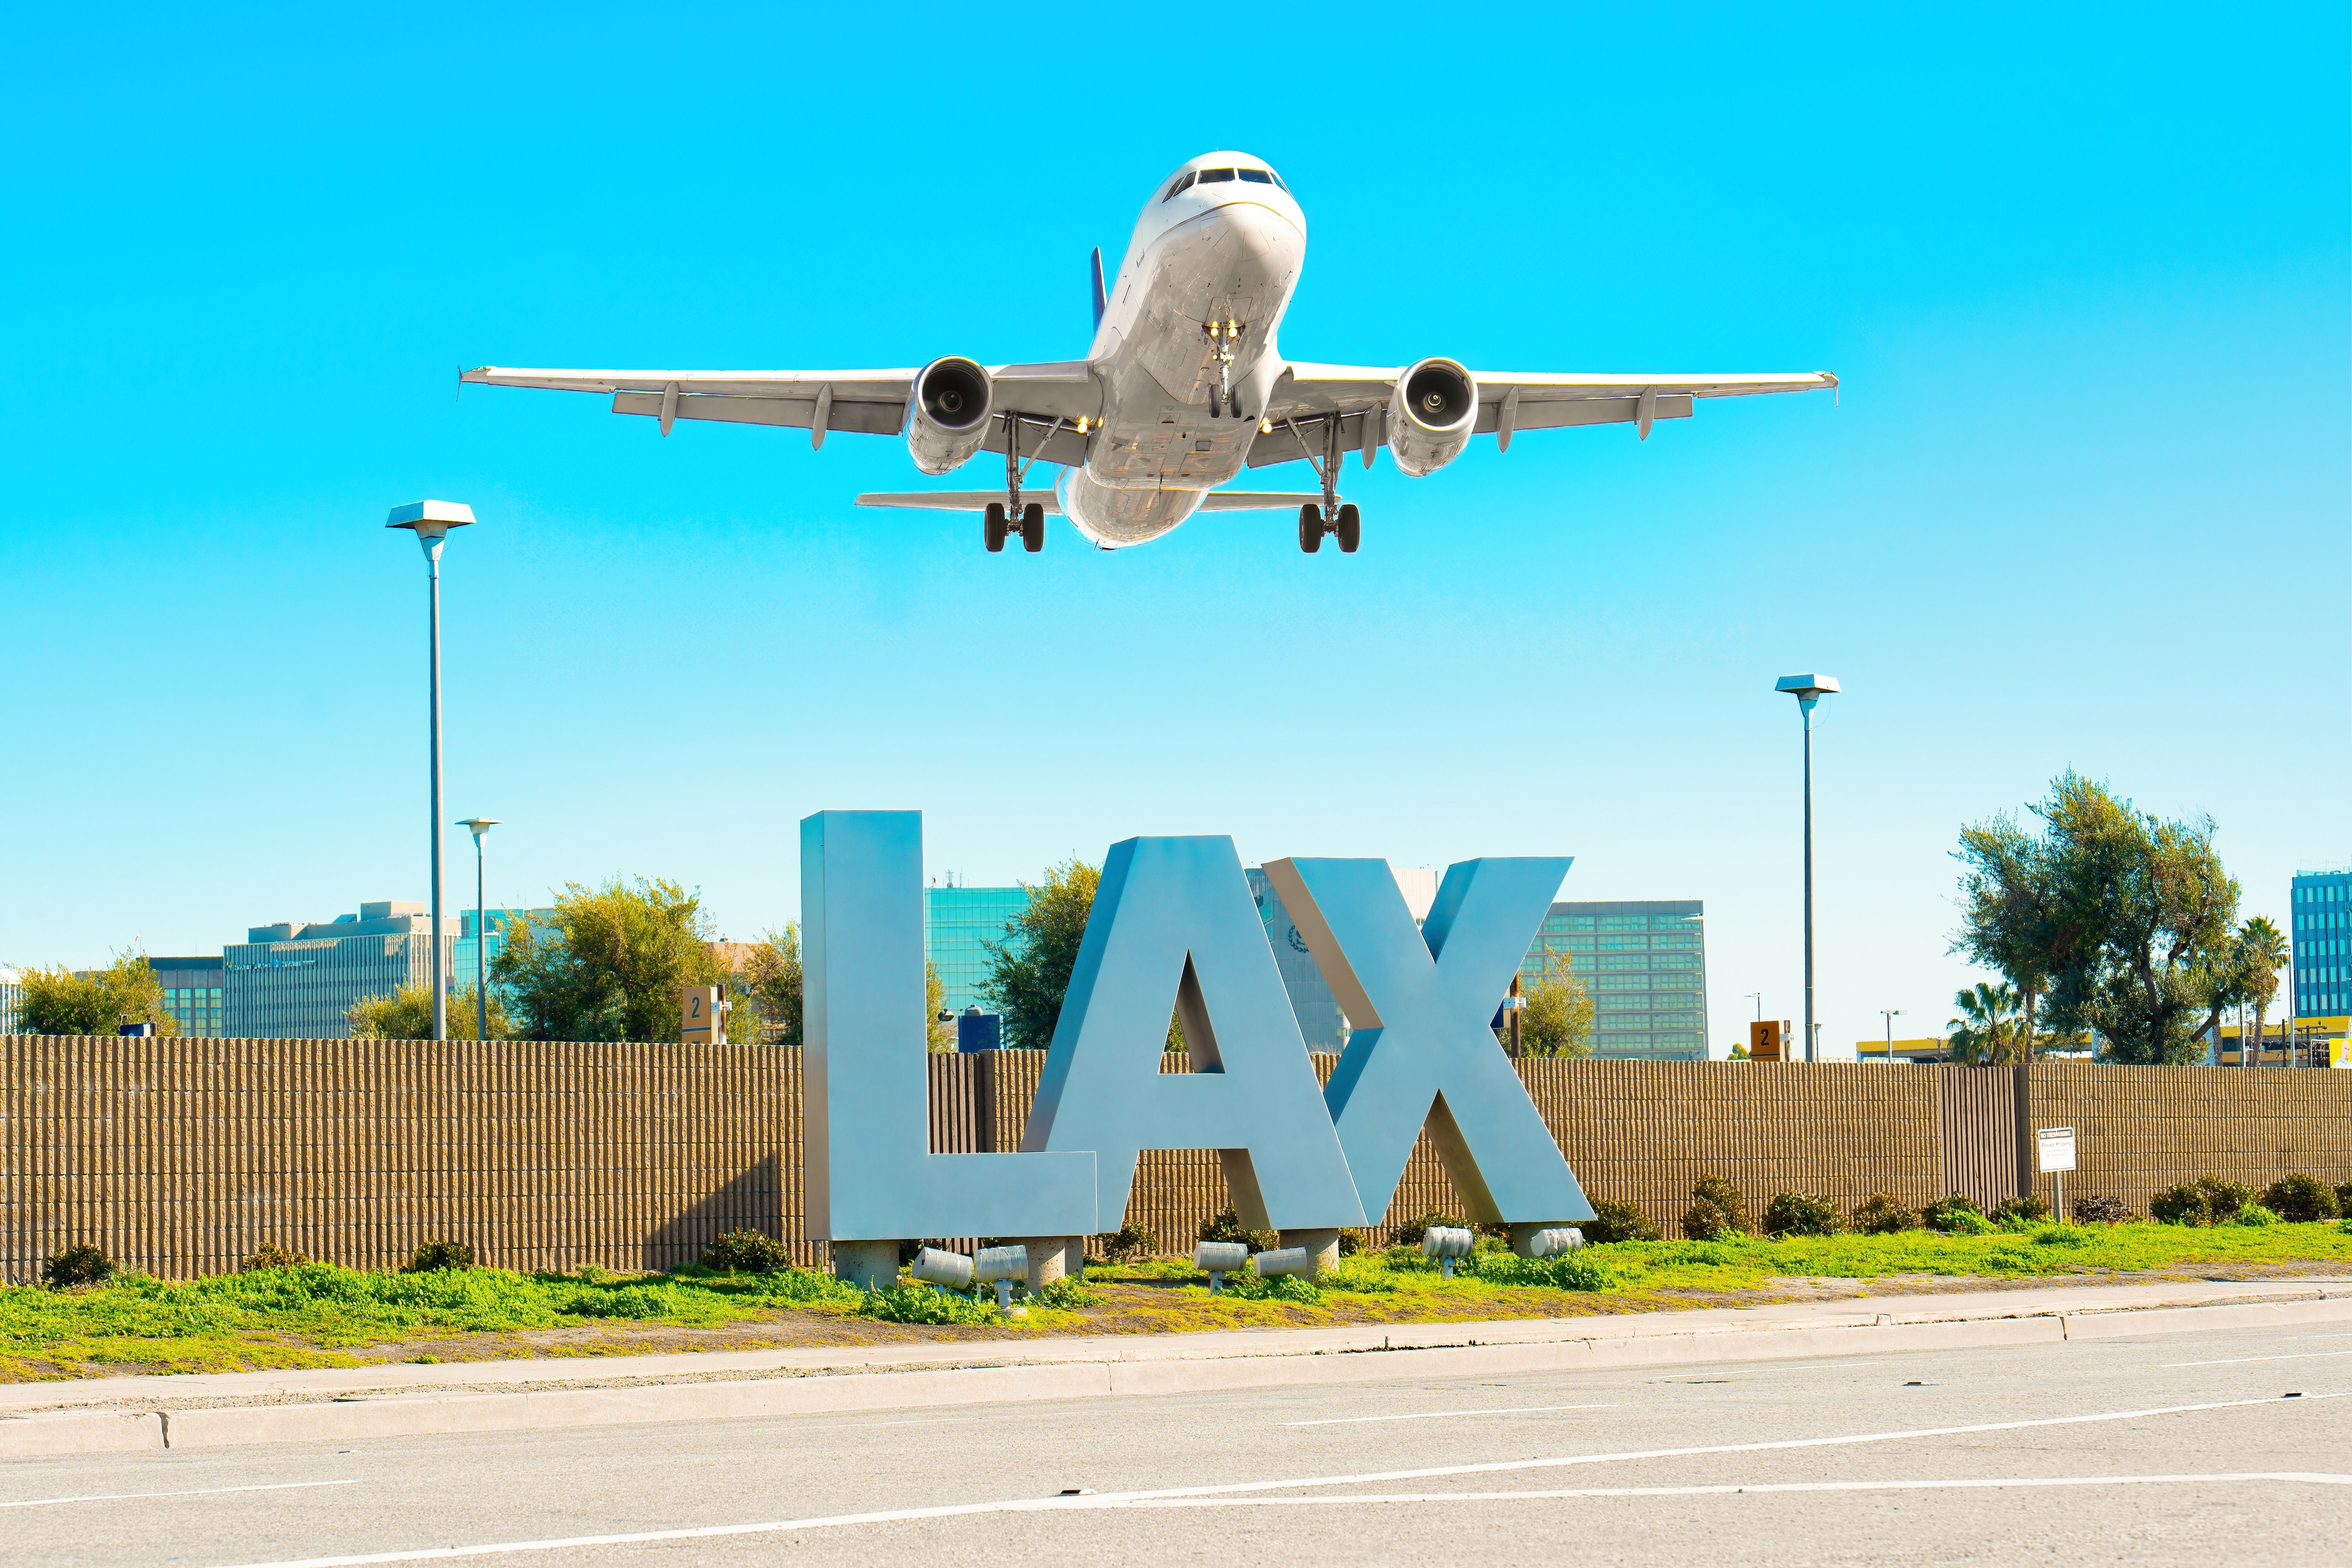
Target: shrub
column 746, row 1252
column 1619, row 1221
column 1883, row 1213
column 2101, row 1210
column 1131, row 1243
column 921, row 1304
column 1068, row 1294
column 1248, row 1286
column 1411, row 1231
column 1945, row 1214
column 2343, row 1200
column 1568, row 1271
column 2030, row 1209
column 271, row 1256
column 2301, row 1199
column 1802, row 1214
column 1351, row 1242
column 2224, row 1198
column 1717, row 1209
column 2250, row 1213
column 2182, row 1205
column 80, row 1264
column 1225, row 1225
column 435, row 1257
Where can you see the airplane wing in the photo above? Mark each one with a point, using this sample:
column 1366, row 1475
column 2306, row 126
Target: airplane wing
column 1048, row 399
column 977, row 501
column 1309, row 396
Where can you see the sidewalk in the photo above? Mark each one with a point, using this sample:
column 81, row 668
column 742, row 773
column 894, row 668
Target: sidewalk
column 220, row 1409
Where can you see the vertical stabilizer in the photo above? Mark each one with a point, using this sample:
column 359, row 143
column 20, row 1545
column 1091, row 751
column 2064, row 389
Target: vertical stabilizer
column 1101, row 297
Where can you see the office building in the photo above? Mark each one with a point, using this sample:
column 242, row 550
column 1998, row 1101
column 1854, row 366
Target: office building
column 11, row 997
column 296, row 979
column 956, row 922
column 1644, row 963
column 2322, row 938
column 194, row 993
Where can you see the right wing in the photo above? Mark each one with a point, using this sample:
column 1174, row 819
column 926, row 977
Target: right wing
column 979, row 501
column 863, row 402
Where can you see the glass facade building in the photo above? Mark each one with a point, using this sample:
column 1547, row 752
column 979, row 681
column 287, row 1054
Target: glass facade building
column 2321, row 902
column 194, row 990
column 12, row 996
column 1644, row 963
column 956, row 921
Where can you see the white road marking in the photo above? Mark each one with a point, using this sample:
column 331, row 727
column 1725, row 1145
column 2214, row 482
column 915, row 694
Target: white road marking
column 194, row 1492
column 2315, row 1478
column 2241, row 1359
column 1439, row 1415
column 1228, row 1489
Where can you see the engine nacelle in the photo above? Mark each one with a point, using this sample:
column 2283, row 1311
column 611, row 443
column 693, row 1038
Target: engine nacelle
column 1431, row 416
column 947, row 414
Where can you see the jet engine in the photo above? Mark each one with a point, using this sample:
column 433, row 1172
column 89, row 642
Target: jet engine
column 1431, row 415
column 947, row 414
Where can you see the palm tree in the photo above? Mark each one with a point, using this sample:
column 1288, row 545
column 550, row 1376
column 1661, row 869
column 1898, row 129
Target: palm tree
column 2262, row 950
column 1987, row 1030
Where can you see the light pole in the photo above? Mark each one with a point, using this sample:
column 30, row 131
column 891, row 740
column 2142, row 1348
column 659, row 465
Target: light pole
column 477, row 825
column 432, row 520
column 1757, row 996
column 1890, row 1014
column 1809, row 690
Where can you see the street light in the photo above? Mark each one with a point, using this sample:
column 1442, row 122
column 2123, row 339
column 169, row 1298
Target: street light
column 432, row 520
column 477, row 825
column 1890, row 1014
column 1809, row 690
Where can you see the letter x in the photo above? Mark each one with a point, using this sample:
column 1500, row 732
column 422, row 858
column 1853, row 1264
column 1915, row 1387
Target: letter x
column 1423, row 1050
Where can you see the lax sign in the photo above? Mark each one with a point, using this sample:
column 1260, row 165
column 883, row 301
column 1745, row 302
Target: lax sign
column 1174, row 929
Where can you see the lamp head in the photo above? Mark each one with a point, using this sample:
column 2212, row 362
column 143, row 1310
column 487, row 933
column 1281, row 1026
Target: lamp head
column 431, row 521
column 477, row 825
column 1808, row 689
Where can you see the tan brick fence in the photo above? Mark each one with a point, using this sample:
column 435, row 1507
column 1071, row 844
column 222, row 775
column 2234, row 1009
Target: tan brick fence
column 181, row 1156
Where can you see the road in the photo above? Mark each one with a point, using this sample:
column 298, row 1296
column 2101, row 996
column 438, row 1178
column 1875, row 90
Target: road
column 2181, row 1449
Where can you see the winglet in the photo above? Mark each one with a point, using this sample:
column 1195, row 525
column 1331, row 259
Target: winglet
column 1101, row 297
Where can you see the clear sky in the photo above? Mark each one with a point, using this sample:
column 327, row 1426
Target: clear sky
column 2081, row 502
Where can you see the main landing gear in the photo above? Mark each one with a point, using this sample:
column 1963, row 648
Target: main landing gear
column 996, row 526
column 1345, row 524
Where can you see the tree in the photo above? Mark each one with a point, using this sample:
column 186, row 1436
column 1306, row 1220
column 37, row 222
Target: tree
column 407, row 1014
column 611, row 963
column 1987, row 1031
column 1558, row 1018
column 1029, row 972
column 60, row 1002
column 2118, row 919
column 2263, row 952
column 773, row 977
column 938, row 1031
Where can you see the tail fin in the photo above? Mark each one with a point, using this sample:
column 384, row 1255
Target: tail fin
column 1101, row 298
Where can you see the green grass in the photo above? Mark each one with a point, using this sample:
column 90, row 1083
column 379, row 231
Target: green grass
column 316, row 1315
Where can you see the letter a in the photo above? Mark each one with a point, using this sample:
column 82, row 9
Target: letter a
column 1422, row 1051
column 1174, row 928
column 870, row 1173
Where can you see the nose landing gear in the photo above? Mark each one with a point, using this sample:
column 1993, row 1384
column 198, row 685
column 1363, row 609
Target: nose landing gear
column 1223, row 337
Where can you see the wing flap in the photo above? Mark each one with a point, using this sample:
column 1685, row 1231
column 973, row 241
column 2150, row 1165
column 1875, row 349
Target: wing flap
column 955, row 501
column 792, row 413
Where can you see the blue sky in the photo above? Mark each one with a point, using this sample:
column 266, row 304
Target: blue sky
column 2081, row 502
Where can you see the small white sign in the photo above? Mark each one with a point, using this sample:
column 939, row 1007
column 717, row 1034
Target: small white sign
column 2055, row 1145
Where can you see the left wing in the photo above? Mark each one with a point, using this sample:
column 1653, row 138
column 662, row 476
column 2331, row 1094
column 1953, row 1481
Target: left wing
column 979, row 501
column 1048, row 399
column 1309, row 396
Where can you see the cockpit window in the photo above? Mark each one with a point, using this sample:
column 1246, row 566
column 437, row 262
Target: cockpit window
column 1258, row 176
column 1184, row 182
column 1210, row 177
column 1277, row 180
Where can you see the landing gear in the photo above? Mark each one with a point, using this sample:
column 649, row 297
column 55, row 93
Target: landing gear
column 1344, row 521
column 1011, row 516
column 1310, row 528
column 1350, row 528
column 1033, row 528
column 992, row 528
column 1236, row 403
column 1223, row 337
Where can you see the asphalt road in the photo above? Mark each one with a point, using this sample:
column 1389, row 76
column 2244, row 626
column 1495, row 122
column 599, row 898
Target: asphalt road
column 2164, row 1451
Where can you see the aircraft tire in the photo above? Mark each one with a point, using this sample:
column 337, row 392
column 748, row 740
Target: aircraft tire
column 1237, row 403
column 1033, row 528
column 1310, row 528
column 1350, row 528
column 992, row 527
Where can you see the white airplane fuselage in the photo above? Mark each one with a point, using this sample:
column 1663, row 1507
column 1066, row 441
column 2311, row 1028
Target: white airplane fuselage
column 1221, row 251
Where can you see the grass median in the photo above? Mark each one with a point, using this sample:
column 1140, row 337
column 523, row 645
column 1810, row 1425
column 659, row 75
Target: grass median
column 319, row 1315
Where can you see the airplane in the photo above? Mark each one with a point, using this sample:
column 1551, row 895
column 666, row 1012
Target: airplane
column 1183, row 388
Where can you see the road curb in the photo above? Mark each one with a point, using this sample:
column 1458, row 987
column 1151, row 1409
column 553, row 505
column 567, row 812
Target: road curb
column 1134, row 1372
